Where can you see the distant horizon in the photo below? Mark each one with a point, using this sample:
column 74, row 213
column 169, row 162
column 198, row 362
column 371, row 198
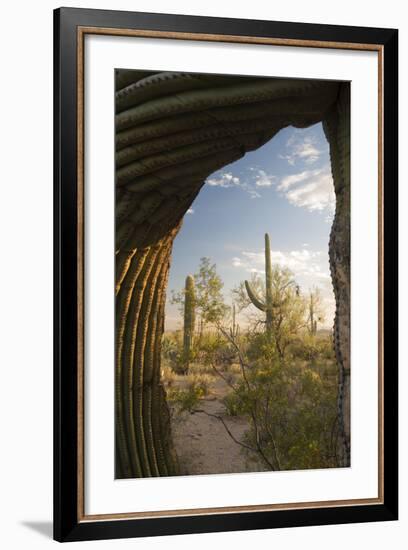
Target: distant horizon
column 285, row 189
column 322, row 330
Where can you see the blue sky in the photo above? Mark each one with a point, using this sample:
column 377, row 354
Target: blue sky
column 284, row 188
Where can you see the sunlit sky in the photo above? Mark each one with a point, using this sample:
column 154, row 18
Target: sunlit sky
column 284, row 188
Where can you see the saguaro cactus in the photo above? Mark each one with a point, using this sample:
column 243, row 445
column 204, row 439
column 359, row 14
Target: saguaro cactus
column 234, row 329
column 267, row 304
column 312, row 320
column 189, row 320
column 315, row 315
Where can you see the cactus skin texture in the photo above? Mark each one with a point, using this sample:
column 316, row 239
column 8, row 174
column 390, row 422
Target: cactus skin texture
column 267, row 304
column 189, row 321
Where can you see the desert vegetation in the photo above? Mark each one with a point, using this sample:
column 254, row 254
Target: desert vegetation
column 251, row 383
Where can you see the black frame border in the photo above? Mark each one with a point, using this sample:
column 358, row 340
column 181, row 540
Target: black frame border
column 66, row 524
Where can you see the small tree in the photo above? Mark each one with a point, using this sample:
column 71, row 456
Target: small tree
column 288, row 306
column 209, row 302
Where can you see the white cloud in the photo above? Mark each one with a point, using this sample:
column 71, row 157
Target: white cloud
column 301, row 262
column 190, row 211
column 311, row 189
column 293, row 179
column 301, row 147
column 226, row 179
column 237, row 262
column 262, row 179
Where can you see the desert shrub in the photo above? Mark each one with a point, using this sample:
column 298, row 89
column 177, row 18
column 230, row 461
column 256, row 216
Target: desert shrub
column 234, row 369
column 212, row 349
column 170, row 344
column 326, row 347
column 167, row 375
column 186, row 399
column 201, row 368
column 292, row 414
column 200, row 384
column 171, row 348
column 305, row 348
column 232, row 404
column 310, row 347
column 259, row 345
column 173, row 354
column 182, row 400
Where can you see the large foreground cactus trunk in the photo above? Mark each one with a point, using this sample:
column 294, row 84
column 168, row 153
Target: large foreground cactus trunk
column 142, row 419
column 172, row 131
column 337, row 128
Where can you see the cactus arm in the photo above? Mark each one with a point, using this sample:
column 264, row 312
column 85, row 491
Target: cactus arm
column 267, row 305
column 254, row 298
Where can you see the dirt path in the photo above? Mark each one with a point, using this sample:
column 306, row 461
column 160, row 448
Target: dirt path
column 203, row 444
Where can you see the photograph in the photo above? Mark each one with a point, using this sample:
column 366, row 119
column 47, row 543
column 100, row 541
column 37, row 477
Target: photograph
column 232, row 285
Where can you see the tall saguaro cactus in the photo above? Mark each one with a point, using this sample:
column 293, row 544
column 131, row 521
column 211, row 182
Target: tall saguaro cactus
column 267, row 304
column 189, row 320
column 234, row 329
column 312, row 320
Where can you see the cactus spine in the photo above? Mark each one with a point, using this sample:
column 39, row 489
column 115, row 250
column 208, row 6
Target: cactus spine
column 267, row 304
column 189, row 320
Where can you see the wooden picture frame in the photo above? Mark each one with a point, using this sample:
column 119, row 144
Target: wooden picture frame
column 71, row 26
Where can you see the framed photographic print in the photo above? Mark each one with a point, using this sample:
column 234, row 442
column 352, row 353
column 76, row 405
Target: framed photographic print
column 225, row 274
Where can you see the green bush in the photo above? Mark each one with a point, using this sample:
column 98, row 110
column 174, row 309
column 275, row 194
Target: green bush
column 186, row 399
column 232, row 404
column 199, row 384
column 292, row 413
column 183, row 400
column 260, row 346
column 310, row 347
column 172, row 352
